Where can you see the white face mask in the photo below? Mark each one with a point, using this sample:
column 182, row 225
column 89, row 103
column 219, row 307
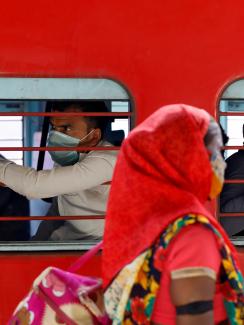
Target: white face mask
column 218, row 169
column 214, row 143
column 65, row 158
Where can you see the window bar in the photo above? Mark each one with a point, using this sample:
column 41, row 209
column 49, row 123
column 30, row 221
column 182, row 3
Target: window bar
column 100, row 148
column 29, row 218
column 231, row 214
column 231, row 113
column 73, row 114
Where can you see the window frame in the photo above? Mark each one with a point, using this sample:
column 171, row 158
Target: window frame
column 25, row 89
column 233, row 91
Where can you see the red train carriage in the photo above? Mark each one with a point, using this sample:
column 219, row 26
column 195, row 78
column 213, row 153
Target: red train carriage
column 136, row 56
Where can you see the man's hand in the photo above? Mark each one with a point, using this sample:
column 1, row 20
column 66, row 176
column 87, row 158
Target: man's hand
column 2, row 185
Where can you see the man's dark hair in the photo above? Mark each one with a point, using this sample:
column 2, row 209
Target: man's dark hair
column 99, row 106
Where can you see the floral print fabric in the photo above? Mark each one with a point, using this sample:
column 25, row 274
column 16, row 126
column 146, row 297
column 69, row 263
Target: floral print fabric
column 139, row 297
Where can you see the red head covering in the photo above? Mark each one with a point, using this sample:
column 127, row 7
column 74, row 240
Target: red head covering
column 163, row 172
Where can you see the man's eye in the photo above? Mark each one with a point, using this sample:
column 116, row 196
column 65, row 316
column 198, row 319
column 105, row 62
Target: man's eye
column 61, row 128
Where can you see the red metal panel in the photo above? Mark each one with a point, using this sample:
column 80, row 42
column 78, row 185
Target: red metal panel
column 162, row 51
column 19, row 271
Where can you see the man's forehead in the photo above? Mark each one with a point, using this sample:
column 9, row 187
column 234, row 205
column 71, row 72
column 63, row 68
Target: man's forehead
column 61, row 119
column 66, row 119
column 70, row 108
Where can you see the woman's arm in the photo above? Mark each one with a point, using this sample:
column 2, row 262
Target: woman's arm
column 193, row 300
column 193, row 263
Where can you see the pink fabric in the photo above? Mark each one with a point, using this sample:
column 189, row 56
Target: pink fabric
column 63, row 289
column 195, row 246
column 85, row 258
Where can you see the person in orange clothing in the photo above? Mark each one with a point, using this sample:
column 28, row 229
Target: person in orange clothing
column 166, row 259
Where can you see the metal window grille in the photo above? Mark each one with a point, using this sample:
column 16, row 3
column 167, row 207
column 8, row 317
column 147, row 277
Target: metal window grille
column 231, row 117
column 41, row 89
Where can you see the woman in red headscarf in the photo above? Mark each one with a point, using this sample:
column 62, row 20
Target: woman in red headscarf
column 166, row 260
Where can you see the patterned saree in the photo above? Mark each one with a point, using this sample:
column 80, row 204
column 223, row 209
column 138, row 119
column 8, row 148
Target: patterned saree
column 130, row 298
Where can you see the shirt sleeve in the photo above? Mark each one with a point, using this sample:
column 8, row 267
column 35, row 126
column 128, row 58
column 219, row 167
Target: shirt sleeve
column 193, row 253
column 92, row 171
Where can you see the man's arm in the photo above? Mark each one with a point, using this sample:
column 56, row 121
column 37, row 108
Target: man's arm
column 91, row 172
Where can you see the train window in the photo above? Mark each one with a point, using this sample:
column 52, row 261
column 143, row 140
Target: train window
column 231, row 202
column 38, row 212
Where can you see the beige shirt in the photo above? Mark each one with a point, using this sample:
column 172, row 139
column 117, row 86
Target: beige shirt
column 79, row 187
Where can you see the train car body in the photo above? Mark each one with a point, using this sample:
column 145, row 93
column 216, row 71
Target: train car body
column 160, row 52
